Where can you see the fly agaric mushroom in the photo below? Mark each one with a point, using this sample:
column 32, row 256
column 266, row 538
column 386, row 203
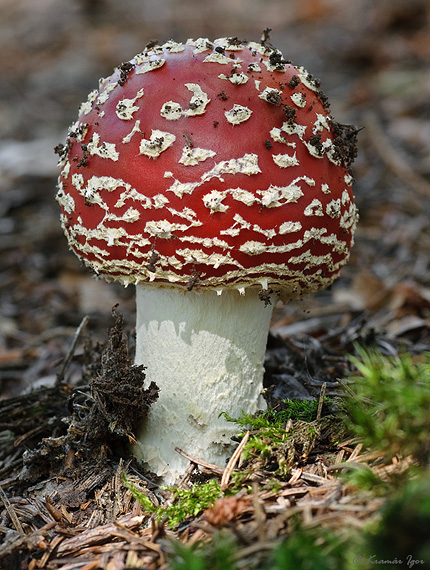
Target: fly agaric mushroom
column 212, row 176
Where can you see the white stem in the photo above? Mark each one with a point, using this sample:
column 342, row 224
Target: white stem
column 205, row 352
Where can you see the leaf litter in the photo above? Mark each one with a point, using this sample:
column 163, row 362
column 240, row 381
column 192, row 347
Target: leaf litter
column 77, row 499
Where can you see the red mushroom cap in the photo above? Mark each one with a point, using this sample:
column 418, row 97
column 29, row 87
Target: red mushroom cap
column 209, row 164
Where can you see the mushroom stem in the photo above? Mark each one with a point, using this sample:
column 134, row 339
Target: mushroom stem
column 205, row 352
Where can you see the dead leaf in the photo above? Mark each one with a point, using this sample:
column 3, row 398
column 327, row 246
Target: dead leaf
column 226, row 509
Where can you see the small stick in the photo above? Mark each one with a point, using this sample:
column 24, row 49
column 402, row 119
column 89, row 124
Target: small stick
column 346, row 388
column 232, row 462
column 259, row 513
column 215, row 468
column 11, row 511
column 393, row 159
column 356, row 452
column 321, row 400
column 69, row 355
column 186, row 476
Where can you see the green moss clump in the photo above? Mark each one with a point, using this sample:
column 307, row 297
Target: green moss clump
column 281, row 438
column 310, row 548
column 218, row 555
column 186, row 503
column 190, row 502
column 304, row 410
column 390, row 410
column 305, row 548
column 403, row 530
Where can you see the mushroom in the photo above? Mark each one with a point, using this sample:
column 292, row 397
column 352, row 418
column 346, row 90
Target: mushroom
column 211, row 176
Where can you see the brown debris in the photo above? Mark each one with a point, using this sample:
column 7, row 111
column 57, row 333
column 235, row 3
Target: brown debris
column 90, row 520
column 226, row 509
column 120, row 401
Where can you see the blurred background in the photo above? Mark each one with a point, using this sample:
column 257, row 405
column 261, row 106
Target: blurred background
column 373, row 58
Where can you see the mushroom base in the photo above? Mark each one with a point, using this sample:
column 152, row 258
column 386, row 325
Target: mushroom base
column 205, row 352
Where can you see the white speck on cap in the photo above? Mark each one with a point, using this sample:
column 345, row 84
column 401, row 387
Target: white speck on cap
column 238, row 114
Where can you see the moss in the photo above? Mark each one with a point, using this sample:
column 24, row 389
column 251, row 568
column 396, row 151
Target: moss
column 143, row 499
column 190, row 502
column 186, row 503
column 304, row 410
column 364, row 478
column 390, row 406
column 403, row 530
column 306, row 549
column 388, row 410
column 282, row 438
column 218, row 555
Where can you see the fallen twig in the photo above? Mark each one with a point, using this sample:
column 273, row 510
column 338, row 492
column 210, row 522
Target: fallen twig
column 210, row 466
column 69, row 355
column 11, row 511
column 232, row 462
column 321, row 400
column 394, row 159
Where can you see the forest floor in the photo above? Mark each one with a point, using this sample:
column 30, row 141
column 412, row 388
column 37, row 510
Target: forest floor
column 69, row 501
